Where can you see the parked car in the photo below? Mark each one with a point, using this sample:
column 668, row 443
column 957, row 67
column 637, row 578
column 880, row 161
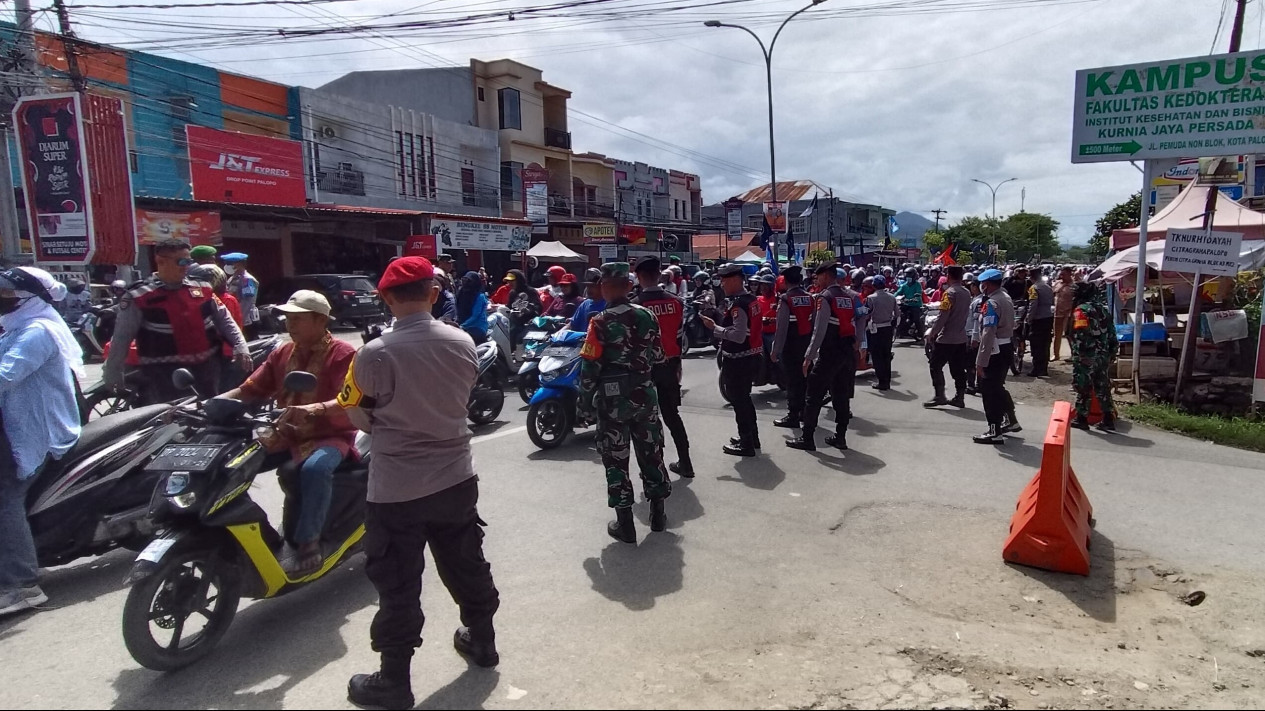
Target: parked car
column 353, row 298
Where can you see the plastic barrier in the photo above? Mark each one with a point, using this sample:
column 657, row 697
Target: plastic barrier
column 1051, row 525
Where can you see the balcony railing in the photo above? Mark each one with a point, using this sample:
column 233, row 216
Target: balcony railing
column 341, row 182
column 557, row 139
column 490, row 199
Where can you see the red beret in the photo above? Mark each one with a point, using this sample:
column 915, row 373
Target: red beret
column 406, row 270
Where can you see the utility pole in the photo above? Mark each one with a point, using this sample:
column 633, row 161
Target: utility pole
column 938, row 213
column 1023, row 198
column 23, row 62
column 72, row 50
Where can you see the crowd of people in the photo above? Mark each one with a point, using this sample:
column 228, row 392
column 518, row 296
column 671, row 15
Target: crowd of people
column 810, row 330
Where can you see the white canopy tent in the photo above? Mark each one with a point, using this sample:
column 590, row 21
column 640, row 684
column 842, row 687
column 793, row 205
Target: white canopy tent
column 1186, row 212
column 550, row 251
column 749, row 258
column 1124, row 263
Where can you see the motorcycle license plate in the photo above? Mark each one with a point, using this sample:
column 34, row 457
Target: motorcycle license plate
column 558, row 352
column 156, row 549
column 536, row 336
column 194, row 458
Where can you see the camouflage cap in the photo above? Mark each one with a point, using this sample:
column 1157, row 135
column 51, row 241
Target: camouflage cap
column 615, row 271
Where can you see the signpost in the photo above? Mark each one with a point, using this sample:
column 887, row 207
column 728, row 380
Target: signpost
column 1196, row 107
column 733, row 218
column 1202, row 252
column 1258, row 385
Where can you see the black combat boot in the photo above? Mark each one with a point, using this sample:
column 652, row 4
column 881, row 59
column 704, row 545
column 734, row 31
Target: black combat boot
column 838, row 440
column 787, row 422
column 741, row 441
column 1081, row 423
column 479, row 653
column 683, row 468
column 807, row 441
column 992, row 436
column 1010, row 424
column 738, row 447
column 658, row 519
column 938, row 400
column 622, row 528
column 958, row 401
column 386, row 689
column 1108, row 423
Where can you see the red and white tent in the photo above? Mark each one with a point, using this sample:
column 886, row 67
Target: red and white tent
column 1186, row 212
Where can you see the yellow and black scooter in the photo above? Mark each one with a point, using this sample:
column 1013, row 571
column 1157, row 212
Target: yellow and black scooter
column 215, row 544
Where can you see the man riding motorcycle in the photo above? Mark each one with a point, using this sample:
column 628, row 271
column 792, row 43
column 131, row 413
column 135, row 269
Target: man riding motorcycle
column 314, row 437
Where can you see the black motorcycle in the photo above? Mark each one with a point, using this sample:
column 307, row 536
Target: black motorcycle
column 697, row 334
column 216, row 544
column 96, row 497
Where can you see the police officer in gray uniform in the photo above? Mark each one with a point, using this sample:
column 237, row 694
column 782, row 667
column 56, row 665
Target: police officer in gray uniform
column 946, row 343
column 1040, row 320
column 409, row 388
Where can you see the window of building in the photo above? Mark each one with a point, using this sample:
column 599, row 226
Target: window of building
column 510, row 111
column 799, row 225
column 755, row 222
column 511, row 181
column 467, row 186
column 480, row 93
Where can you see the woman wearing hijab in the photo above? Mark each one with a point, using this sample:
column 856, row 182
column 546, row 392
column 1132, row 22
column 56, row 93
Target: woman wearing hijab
column 39, row 360
column 472, row 307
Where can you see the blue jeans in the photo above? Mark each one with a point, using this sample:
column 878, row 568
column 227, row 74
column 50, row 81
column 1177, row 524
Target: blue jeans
column 19, row 566
column 316, row 486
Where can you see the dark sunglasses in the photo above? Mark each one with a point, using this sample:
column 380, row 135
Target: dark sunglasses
column 185, row 262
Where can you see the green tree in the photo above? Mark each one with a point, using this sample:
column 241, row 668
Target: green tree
column 1120, row 217
column 1029, row 235
column 818, row 257
column 933, row 241
column 1078, row 254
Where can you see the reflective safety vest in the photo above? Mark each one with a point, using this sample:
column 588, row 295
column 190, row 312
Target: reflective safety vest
column 800, row 305
column 670, row 311
column 842, row 310
column 177, row 325
column 755, row 338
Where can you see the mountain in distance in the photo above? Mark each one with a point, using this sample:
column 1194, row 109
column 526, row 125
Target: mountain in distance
column 912, row 226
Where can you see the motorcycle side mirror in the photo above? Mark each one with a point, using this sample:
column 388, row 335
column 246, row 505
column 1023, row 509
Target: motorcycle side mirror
column 299, row 381
column 183, row 379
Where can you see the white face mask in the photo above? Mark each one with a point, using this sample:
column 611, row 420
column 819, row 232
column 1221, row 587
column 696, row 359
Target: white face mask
column 230, row 269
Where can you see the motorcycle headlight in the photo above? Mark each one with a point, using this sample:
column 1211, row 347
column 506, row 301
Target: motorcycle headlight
column 184, row 501
column 177, row 482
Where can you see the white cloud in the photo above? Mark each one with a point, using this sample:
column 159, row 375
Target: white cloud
column 902, row 110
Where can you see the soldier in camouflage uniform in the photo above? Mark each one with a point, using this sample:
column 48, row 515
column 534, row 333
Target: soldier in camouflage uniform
column 1093, row 346
column 616, row 390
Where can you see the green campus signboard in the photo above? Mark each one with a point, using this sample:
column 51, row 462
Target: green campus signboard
column 1202, row 106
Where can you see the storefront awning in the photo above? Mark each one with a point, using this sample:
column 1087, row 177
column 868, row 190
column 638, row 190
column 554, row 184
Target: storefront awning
column 555, row 252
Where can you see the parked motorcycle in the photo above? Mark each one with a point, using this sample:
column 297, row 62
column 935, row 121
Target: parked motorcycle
column 217, row 544
column 552, row 415
column 697, row 334
column 488, row 396
column 99, row 401
column 93, row 330
column 535, row 341
column 96, row 497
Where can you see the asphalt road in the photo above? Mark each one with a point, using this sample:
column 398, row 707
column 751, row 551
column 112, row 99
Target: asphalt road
column 774, row 586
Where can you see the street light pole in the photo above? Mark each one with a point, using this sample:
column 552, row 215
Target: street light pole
column 768, row 75
column 994, row 191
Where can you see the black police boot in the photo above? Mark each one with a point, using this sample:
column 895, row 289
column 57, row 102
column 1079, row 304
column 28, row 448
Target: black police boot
column 807, row 441
column 787, row 422
column 740, row 441
column 838, row 440
column 658, row 519
column 1108, row 423
column 958, row 401
column 1010, row 423
column 938, row 400
column 375, row 691
column 683, row 468
column 622, row 528
column 1081, row 423
column 479, row 653
column 739, row 447
column 992, row 436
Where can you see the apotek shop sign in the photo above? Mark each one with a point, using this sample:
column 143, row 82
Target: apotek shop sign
column 1201, row 106
column 55, row 178
column 225, row 166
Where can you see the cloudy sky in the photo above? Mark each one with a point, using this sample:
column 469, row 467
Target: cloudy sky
column 899, row 102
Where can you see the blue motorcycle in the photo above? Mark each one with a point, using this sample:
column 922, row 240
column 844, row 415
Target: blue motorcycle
column 535, row 341
column 552, row 415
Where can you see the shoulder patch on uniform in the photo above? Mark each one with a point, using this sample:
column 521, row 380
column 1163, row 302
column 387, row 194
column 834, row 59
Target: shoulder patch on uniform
column 351, row 395
column 592, row 348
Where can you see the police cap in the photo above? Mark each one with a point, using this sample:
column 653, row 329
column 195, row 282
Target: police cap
column 648, row 265
column 825, row 269
column 731, row 269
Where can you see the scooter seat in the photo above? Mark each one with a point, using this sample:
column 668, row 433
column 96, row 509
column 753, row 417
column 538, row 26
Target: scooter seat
column 101, row 432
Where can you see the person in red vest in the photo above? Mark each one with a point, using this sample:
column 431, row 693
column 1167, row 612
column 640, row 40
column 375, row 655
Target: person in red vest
column 793, row 332
column 831, row 359
column 177, row 323
column 741, row 347
column 670, row 312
